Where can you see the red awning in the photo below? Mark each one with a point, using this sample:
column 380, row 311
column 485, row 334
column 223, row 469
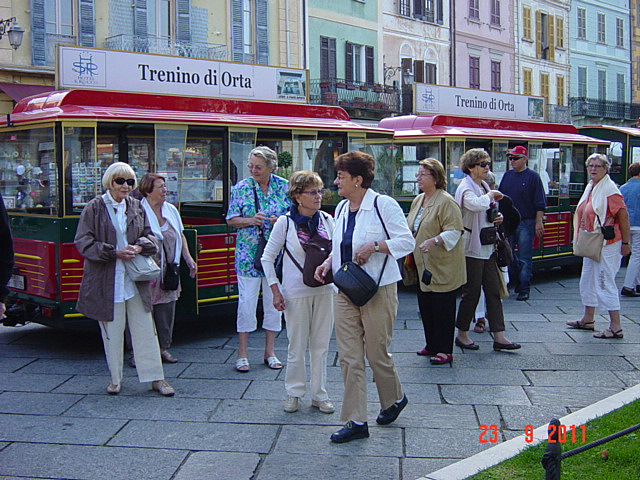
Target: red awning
column 18, row 91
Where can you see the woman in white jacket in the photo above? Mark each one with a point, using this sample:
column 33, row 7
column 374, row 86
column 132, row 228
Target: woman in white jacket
column 308, row 310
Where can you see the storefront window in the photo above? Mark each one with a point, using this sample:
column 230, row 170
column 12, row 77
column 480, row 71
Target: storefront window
column 28, row 171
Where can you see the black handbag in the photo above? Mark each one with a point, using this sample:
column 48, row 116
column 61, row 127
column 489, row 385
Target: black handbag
column 316, row 251
column 353, row 281
column 488, row 235
column 504, row 254
column 171, row 276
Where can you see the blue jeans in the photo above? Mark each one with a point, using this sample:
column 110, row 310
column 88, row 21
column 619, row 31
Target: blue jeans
column 521, row 268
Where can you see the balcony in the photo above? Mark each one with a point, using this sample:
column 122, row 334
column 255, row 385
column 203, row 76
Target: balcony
column 558, row 114
column 166, row 46
column 604, row 109
column 360, row 99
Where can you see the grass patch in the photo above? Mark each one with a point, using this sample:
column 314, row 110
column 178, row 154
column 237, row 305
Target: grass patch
column 614, row 460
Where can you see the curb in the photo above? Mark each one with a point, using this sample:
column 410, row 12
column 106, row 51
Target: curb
column 494, row 455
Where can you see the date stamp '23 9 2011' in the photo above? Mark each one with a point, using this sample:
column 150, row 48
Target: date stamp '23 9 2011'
column 559, row 434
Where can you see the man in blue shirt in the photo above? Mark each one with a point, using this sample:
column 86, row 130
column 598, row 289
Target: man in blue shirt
column 525, row 188
column 631, row 193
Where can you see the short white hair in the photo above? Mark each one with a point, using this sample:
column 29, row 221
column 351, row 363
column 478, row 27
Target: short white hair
column 270, row 157
column 600, row 157
column 118, row 169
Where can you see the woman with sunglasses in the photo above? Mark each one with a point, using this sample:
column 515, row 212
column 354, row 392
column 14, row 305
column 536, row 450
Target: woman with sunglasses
column 308, row 310
column 107, row 294
column 479, row 213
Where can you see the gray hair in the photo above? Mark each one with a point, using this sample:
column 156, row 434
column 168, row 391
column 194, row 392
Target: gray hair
column 118, row 169
column 601, row 157
column 269, row 156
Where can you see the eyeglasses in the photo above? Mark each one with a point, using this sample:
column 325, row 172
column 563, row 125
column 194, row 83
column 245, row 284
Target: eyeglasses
column 121, row 181
column 483, row 164
column 424, row 174
column 313, row 193
column 513, row 157
column 595, row 166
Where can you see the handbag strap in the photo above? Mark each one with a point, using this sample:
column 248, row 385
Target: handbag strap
column 295, row 262
column 257, row 204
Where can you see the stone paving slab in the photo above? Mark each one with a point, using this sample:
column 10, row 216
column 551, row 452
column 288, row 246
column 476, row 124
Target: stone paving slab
column 517, row 417
column 13, row 364
column 223, row 465
column 149, row 407
column 444, row 442
column 571, row 379
column 582, row 349
column 24, row 382
column 202, row 355
column 55, row 429
column 37, row 403
column 87, row 462
column 413, row 468
column 534, row 327
column 629, row 378
column 459, row 374
column 570, row 396
column 272, row 412
column 288, row 467
column 484, row 395
column 548, row 362
column 258, row 371
column 488, row 414
column 224, row 437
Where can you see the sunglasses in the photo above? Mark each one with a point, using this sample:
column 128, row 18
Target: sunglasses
column 483, row 164
column 514, row 157
column 121, row 181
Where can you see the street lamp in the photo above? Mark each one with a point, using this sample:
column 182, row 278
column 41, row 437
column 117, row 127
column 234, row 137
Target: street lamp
column 13, row 30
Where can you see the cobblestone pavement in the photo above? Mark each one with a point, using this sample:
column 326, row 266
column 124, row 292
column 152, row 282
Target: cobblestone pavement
column 57, row 422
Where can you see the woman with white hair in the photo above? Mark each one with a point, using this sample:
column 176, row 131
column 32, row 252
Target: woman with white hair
column 107, row 293
column 601, row 204
column 255, row 205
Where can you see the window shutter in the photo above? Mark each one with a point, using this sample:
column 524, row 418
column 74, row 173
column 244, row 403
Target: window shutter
column 237, row 54
column 86, row 30
column 418, row 8
column 262, row 31
column 538, row 34
column 332, row 58
column 348, row 62
column 324, row 58
column 183, row 23
column 418, row 71
column 369, row 65
column 140, row 26
column 38, row 36
column 551, row 40
column 439, row 8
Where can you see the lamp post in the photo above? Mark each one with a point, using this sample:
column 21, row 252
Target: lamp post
column 13, row 30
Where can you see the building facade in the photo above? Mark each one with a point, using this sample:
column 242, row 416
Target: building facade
column 634, row 21
column 601, row 63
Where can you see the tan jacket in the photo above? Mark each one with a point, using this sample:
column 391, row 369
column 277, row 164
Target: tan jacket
column 447, row 266
column 96, row 242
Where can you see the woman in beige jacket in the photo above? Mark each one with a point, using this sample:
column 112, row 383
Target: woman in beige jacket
column 107, row 294
column 436, row 222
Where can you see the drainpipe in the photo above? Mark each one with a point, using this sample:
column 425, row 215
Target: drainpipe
column 452, row 42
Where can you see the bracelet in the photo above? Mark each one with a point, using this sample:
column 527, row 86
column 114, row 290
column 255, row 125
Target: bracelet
column 625, row 243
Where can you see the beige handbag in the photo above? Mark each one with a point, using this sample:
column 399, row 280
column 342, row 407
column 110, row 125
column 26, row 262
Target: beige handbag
column 589, row 244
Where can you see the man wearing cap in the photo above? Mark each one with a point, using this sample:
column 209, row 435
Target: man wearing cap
column 525, row 188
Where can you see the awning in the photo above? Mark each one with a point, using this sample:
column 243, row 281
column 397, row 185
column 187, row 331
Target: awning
column 18, row 91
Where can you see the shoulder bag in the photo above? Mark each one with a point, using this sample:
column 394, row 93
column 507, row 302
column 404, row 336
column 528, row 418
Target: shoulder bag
column 316, row 251
column 141, row 268
column 589, row 244
column 504, row 254
column 353, row 281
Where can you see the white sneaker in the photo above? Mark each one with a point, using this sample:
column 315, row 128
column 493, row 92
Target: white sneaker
column 325, row 406
column 291, row 404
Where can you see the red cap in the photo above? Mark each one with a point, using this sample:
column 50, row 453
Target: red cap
column 519, row 150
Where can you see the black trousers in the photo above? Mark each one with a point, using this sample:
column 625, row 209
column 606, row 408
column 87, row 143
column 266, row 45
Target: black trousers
column 438, row 312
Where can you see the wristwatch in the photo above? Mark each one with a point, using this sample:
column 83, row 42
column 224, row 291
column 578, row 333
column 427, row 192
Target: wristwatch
column 435, row 239
column 376, row 246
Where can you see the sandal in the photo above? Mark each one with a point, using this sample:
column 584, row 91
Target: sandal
column 242, row 364
column 273, row 363
column 608, row 333
column 582, row 325
column 441, row 359
column 479, row 328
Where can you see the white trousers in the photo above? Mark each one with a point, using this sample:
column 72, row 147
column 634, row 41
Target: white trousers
column 143, row 338
column 248, row 291
column 633, row 269
column 598, row 279
column 309, row 322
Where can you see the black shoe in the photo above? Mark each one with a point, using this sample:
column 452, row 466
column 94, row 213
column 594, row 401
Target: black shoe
column 637, row 288
column 388, row 415
column 629, row 292
column 349, row 432
column 468, row 346
column 522, row 296
column 506, row 346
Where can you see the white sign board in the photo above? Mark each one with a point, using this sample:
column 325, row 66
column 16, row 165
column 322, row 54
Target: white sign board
column 80, row 67
column 476, row 103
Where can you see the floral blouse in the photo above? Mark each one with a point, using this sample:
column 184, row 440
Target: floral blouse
column 275, row 202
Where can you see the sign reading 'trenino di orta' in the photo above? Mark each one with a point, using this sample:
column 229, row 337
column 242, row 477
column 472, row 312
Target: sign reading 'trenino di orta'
column 80, row 67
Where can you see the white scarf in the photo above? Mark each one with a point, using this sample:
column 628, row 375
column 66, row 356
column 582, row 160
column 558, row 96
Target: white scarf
column 172, row 216
column 599, row 193
column 468, row 184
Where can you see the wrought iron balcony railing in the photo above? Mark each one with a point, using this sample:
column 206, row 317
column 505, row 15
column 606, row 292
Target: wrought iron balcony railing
column 52, row 42
column 167, row 46
column 591, row 107
column 374, row 98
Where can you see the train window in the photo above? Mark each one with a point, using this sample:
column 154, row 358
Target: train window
column 28, row 173
column 404, row 161
column 577, row 175
column 85, row 179
column 565, row 170
column 202, row 173
column 635, row 154
column 241, row 142
column 614, row 152
column 170, row 148
column 499, row 159
column 455, row 149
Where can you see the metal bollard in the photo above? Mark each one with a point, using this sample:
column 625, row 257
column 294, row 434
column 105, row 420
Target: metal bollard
column 551, row 460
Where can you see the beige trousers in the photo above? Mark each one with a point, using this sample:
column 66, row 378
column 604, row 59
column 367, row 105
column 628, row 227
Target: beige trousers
column 143, row 338
column 309, row 323
column 361, row 331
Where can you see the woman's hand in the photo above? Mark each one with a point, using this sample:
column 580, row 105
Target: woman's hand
column 322, row 270
column 625, row 250
column 427, row 245
column 193, row 268
column 364, row 252
column 129, row 252
column 495, row 195
column 278, row 299
column 273, row 219
column 499, row 219
column 258, row 219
